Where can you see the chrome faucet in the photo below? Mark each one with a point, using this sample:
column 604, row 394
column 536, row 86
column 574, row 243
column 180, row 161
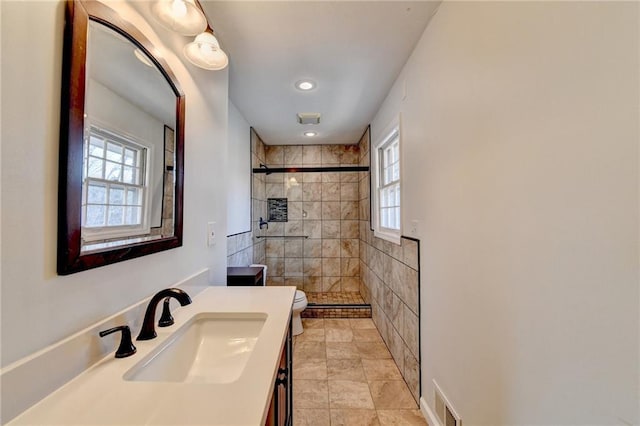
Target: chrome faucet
column 148, row 330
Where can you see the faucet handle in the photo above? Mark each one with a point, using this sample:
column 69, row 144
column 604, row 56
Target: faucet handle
column 126, row 347
column 166, row 319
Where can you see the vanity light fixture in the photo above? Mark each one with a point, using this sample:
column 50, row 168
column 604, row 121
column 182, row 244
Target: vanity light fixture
column 205, row 52
column 310, row 134
column 181, row 16
column 305, row 85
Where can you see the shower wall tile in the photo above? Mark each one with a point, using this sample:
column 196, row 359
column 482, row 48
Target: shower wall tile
column 274, row 155
column 330, row 248
column 350, row 284
column 312, row 228
column 312, row 248
column 331, row 210
column 293, row 267
column 349, row 191
column 293, row 155
column 311, row 191
column 330, row 191
column 350, row 177
column 312, row 177
column 349, row 247
column 294, row 210
column 349, row 210
column 349, row 229
column 312, row 267
column 330, row 229
column 275, row 247
column 311, row 155
column 312, row 284
column 350, row 266
column 312, row 209
column 331, row 267
column 331, row 283
column 293, row 193
column 293, row 247
column 329, row 177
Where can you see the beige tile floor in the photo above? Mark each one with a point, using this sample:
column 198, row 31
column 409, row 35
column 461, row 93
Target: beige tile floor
column 343, row 374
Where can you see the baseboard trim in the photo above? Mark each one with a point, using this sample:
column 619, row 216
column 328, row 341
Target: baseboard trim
column 431, row 417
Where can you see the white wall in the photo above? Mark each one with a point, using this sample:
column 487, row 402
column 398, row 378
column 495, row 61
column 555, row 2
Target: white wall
column 520, row 160
column 239, row 172
column 39, row 307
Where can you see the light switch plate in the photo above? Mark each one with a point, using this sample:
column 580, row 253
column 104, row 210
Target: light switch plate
column 211, row 233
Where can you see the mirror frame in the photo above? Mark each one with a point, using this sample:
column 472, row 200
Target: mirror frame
column 70, row 258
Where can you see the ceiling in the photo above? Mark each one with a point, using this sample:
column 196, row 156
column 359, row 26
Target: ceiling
column 353, row 50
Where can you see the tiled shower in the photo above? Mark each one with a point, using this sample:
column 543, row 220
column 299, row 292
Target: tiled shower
column 316, row 245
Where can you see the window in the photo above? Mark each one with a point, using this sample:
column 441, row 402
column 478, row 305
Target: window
column 114, row 190
column 386, row 223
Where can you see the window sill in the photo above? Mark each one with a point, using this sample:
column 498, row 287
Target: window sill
column 388, row 236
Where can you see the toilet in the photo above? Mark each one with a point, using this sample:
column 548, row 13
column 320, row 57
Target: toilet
column 299, row 303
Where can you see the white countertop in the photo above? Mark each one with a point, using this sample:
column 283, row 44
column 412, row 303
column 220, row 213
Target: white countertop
column 100, row 395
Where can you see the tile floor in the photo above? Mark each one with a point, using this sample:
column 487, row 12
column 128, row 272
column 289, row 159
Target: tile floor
column 343, row 374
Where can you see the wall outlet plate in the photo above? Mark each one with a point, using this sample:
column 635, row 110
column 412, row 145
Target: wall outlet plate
column 211, row 234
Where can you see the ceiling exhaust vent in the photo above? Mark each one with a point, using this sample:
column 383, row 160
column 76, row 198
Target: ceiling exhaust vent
column 308, row 117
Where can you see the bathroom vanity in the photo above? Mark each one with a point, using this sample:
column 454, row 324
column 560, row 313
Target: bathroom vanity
column 225, row 361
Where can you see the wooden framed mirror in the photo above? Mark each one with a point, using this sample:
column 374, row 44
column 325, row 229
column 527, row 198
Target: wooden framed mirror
column 121, row 143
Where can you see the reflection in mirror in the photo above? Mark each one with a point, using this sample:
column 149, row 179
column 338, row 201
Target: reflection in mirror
column 128, row 145
column 122, row 143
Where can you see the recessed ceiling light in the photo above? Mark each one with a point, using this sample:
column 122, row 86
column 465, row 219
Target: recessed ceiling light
column 310, row 134
column 305, row 85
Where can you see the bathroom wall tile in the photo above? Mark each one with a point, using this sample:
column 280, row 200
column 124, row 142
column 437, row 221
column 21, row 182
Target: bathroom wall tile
column 330, row 248
column 330, row 210
column 312, row 154
column 330, row 191
column 331, row 267
column 312, row 267
column 312, row 248
column 255, row 161
column 294, row 210
column 274, row 190
column 313, row 209
column 387, row 263
column 293, row 267
column 296, row 282
column 311, row 191
column 275, row 247
column 312, row 284
column 274, row 155
column 349, row 192
column 331, row 177
column 274, row 178
column 257, row 188
column 293, row 247
column 312, row 177
column 350, row 283
column 410, row 332
column 275, row 228
column 294, row 228
column 397, row 276
column 350, row 247
column 293, row 192
column 275, row 266
column 330, row 229
column 409, row 291
column 331, row 154
column 350, row 177
column 349, row 229
column 350, row 266
column 292, row 155
column 232, row 245
column 331, row 283
column 312, row 228
column 350, row 155
column 410, row 253
column 275, row 281
column 396, row 347
column 394, row 250
column 396, row 313
column 349, row 210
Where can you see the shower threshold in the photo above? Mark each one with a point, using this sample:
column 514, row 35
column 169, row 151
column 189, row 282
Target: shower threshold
column 336, row 305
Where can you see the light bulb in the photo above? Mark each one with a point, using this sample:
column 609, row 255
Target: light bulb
column 178, row 8
column 205, row 52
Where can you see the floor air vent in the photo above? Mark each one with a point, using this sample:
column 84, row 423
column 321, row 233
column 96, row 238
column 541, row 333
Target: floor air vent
column 446, row 414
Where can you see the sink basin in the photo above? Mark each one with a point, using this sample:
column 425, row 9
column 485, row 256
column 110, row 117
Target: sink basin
column 210, row 348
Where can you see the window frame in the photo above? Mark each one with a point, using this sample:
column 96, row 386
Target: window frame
column 388, row 136
column 101, row 233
